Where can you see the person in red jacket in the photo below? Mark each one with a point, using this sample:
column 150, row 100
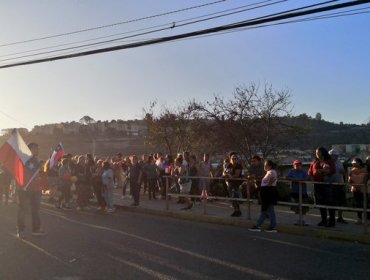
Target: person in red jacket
column 322, row 169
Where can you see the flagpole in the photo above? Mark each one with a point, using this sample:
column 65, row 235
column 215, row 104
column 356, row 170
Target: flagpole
column 33, row 177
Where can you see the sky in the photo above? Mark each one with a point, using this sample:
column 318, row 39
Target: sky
column 324, row 63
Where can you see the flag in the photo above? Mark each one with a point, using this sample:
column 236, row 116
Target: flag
column 16, row 157
column 58, row 153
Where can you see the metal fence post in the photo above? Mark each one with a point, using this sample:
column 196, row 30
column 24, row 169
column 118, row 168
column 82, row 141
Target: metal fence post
column 300, row 201
column 204, row 198
column 364, row 214
column 167, row 198
column 248, row 201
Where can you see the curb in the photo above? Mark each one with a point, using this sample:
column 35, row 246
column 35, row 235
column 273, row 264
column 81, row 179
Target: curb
column 288, row 229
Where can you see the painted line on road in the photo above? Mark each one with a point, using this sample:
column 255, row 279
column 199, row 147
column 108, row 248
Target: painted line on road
column 233, row 266
column 160, row 261
column 146, row 270
column 40, row 249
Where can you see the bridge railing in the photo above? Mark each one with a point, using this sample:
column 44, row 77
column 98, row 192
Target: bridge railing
column 204, row 197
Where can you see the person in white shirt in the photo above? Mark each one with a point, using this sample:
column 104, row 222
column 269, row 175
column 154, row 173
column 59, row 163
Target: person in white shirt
column 268, row 198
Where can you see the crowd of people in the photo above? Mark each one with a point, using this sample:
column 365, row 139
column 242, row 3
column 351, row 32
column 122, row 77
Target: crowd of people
column 85, row 177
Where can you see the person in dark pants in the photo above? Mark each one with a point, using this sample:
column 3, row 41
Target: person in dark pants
column 232, row 172
column 32, row 195
column 135, row 180
column 65, row 184
column 97, row 184
column 322, row 169
column 150, row 169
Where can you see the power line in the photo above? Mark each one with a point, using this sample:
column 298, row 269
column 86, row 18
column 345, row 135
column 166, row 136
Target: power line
column 87, row 46
column 113, row 24
column 12, row 118
column 164, row 27
column 197, row 33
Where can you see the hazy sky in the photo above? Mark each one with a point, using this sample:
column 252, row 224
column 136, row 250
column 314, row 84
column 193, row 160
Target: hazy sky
column 325, row 63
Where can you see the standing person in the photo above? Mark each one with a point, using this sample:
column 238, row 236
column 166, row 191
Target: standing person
column 339, row 190
column 296, row 175
column 232, row 173
column 108, row 186
column 65, row 176
column 118, row 170
column 205, row 171
column 32, row 194
column 322, row 169
column 150, row 169
column 255, row 174
column 144, row 179
column 126, row 165
column 358, row 176
column 269, row 196
column 135, row 180
column 83, row 183
column 97, row 183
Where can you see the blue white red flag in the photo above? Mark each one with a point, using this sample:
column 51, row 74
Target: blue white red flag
column 17, row 158
column 57, row 155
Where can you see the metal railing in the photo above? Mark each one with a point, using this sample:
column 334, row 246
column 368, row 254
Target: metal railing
column 204, row 197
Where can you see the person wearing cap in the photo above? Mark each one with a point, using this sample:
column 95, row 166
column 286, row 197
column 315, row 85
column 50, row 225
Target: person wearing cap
column 296, row 175
column 339, row 191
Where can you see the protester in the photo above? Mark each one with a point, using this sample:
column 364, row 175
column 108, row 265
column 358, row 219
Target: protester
column 269, row 197
column 65, row 176
column 83, row 184
column 108, row 186
column 322, row 169
column 358, row 176
column 126, row 165
column 97, row 183
column 339, row 190
column 151, row 170
column 255, row 174
column 205, row 171
column 135, row 180
column 31, row 194
column 233, row 172
column 118, row 170
column 296, row 175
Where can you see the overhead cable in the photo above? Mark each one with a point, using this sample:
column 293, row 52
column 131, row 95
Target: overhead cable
column 196, row 33
column 113, row 24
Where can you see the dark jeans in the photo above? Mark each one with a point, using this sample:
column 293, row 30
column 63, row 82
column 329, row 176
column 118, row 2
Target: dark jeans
column 152, row 183
column 135, row 190
column 324, row 196
column 34, row 198
column 234, row 193
column 98, row 191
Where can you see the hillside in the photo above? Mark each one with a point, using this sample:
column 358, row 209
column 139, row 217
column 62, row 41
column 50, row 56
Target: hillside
column 316, row 133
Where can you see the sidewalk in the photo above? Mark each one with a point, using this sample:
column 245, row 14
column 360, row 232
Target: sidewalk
column 219, row 212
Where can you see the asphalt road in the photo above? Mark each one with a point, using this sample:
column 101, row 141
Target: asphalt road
column 127, row 245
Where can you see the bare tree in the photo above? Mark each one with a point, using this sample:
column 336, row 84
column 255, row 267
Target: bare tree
column 250, row 122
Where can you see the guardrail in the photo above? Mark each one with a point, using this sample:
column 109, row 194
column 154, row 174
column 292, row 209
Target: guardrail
column 204, row 198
